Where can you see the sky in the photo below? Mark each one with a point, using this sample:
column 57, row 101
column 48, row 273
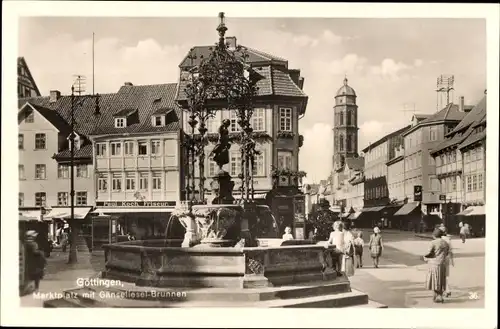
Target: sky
column 391, row 63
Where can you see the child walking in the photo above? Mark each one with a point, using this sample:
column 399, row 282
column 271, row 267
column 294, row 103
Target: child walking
column 359, row 243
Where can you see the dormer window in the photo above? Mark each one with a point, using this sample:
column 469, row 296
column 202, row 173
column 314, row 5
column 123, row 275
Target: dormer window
column 120, row 122
column 158, row 120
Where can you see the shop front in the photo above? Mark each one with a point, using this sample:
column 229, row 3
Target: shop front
column 475, row 216
column 115, row 221
column 410, row 217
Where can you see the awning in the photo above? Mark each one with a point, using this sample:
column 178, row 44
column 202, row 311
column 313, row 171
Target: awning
column 65, row 213
column 119, row 210
column 473, row 211
column 32, row 215
column 373, row 209
column 406, row 209
column 354, row 215
column 23, row 218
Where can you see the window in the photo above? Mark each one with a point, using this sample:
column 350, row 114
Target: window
column 349, row 118
column 480, row 181
column 235, row 163
column 158, row 120
column 102, row 182
column 82, row 171
column 81, row 198
column 40, row 199
column 212, row 125
column 212, row 168
column 341, row 118
column 453, row 183
column 453, row 156
column 143, row 148
column 233, row 118
column 285, row 119
column 348, row 143
column 143, row 181
column 62, row 198
column 101, row 149
column 62, row 171
column 469, row 183
column 474, row 182
column 29, row 116
column 21, row 200
column 116, row 148
column 39, row 141
column 467, row 156
column 473, row 155
column 258, row 169
column 479, row 153
column 258, row 119
column 129, row 148
column 40, row 172
column 285, row 160
column 117, row 182
column 130, row 181
column 156, row 181
column 120, row 123
column 155, row 147
column 433, row 134
column 20, row 141
column 21, row 172
column 341, row 142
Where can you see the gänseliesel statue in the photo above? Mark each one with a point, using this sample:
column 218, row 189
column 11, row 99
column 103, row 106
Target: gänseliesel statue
column 220, row 153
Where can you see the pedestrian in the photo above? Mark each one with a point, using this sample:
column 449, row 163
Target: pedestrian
column 349, row 253
column 436, row 273
column 35, row 261
column 376, row 246
column 463, row 231
column 288, row 233
column 359, row 244
column 337, row 239
column 449, row 260
column 130, row 236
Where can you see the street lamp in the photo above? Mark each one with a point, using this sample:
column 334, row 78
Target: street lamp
column 75, row 101
column 223, row 80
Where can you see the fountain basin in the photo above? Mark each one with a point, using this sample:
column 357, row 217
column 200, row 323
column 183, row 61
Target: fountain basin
column 163, row 263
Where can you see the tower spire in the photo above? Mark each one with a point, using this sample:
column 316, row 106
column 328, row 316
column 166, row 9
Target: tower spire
column 221, row 29
column 345, row 79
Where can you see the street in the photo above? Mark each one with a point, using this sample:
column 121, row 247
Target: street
column 397, row 283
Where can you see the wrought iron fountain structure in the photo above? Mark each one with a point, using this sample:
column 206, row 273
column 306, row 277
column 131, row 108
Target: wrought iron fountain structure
column 222, row 81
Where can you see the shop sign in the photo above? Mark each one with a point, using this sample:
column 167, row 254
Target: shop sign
column 146, row 204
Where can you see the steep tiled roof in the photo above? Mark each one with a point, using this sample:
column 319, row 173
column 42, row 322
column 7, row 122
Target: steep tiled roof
column 124, row 113
column 450, row 113
column 21, row 62
column 472, row 117
column 52, row 116
column 356, row 163
column 85, row 118
column 452, row 141
column 203, row 52
column 473, row 138
column 146, row 99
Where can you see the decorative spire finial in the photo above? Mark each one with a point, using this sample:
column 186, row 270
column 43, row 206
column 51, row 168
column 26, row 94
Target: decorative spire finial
column 221, row 29
column 345, row 79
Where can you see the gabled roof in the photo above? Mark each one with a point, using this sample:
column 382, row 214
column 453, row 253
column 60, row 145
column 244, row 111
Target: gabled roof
column 473, row 138
column 254, row 56
column 85, row 151
column 50, row 115
column 452, row 141
column 355, row 163
column 85, row 118
column 147, row 99
column 163, row 110
column 471, row 117
column 450, row 112
column 21, row 62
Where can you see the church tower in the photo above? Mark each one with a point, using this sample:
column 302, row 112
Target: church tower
column 345, row 126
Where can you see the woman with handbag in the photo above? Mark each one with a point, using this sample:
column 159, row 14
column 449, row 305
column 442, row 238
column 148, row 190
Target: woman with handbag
column 436, row 257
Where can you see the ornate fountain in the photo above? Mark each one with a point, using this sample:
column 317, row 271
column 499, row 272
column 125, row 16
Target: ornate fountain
column 226, row 244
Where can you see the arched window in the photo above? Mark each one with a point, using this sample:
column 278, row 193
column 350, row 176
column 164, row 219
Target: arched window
column 349, row 121
column 353, row 143
column 353, row 118
column 341, row 142
column 341, row 121
column 348, row 143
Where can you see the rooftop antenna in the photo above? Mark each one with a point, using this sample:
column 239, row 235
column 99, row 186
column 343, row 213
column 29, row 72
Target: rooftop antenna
column 444, row 86
column 79, row 85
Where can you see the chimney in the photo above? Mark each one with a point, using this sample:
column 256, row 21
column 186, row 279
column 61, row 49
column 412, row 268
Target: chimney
column 231, row 43
column 301, row 83
column 128, row 84
column 54, row 96
column 461, row 104
column 295, row 75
